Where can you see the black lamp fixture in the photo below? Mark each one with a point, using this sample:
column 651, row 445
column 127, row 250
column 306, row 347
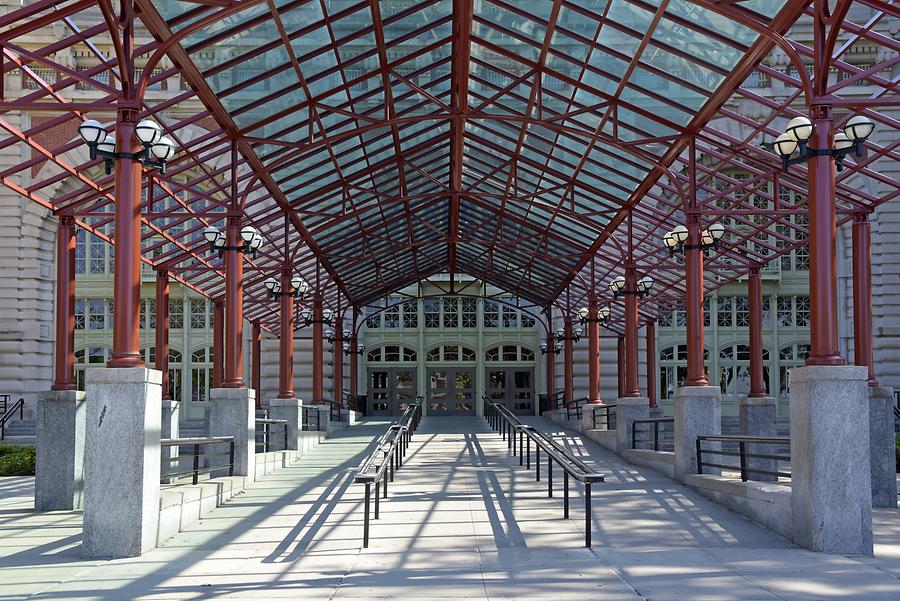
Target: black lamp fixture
column 617, row 287
column 577, row 333
column 299, row 286
column 584, row 314
column 799, row 130
column 250, row 237
column 306, row 315
column 709, row 238
column 157, row 149
column 360, row 348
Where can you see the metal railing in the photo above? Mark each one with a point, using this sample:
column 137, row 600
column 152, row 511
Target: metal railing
column 606, row 415
column 334, row 410
column 4, row 402
column 8, row 414
column 576, row 406
column 652, row 432
column 311, row 417
column 554, row 400
column 206, row 466
column 264, row 433
column 386, row 458
column 765, row 462
column 509, row 427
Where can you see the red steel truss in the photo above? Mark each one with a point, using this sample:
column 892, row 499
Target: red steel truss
column 378, row 144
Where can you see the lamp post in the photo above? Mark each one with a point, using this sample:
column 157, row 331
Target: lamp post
column 298, row 287
column 133, row 146
column 799, row 131
column 632, row 288
column 676, row 240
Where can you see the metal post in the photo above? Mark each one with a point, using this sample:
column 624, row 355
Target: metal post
column 754, row 294
column 286, row 341
column 528, row 452
column 549, row 475
column 162, row 330
column 377, row 495
column 285, row 436
column 587, row 514
column 633, row 435
column 537, row 463
column 632, row 387
column 366, row 518
column 699, row 457
column 234, row 306
column 568, row 359
column 593, row 333
column 64, row 351
column 565, row 494
column 318, row 349
column 337, row 361
column 195, row 475
column 693, row 262
column 218, row 343
column 255, row 357
column 521, row 442
column 862, row 295
column 551, row 371
column 743, row 456
column 651, row 364
column 126, row 346
column 655, row 436
column 620, row 364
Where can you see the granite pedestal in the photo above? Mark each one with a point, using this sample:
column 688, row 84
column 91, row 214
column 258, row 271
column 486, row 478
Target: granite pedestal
column 169, row 430
column 627, row 410
column 292, row 411
column 881, row 445
column 121, row 462
column 758, row 419
column 698, row 411
column 831, row 479
column 232, row 412
column 59, row 451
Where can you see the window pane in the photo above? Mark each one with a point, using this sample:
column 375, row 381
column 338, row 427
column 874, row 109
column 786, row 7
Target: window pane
column 176, row 314
column 198, row 313
column 410, row 314
column 451, row 353
column 451, row 313
column 392, row 317
column 724, row 317
column 432, row 313
column 491, row 314
column 510, row 316
column 469, row 313
column 97, row 314
column 510, row 353
column 79, row 314
column 802, row 310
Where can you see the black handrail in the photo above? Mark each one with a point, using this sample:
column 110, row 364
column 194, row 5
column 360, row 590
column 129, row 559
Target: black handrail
column 575, row 404
column 265, row 445
column 306, row 412
column 9, row 413
column 609, row 416
column 507, row 425
column 385, row 459
column 4, row 403
column 669, row 443
column 194, row 444
column 334, row 410
column 743, row 456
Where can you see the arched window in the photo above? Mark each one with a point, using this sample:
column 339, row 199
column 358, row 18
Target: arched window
column 789, row 357
column 673, row 368
column 201, row 373
column 734, row 370
column 508, row 353
column 392, row 353
column 452, row 353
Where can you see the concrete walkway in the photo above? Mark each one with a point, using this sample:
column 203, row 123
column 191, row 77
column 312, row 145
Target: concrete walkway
column 463, row 521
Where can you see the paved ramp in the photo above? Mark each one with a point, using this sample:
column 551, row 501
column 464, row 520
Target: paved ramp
column 462, row 521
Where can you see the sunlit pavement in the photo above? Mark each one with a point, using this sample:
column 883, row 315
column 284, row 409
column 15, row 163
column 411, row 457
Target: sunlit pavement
column 462, row 521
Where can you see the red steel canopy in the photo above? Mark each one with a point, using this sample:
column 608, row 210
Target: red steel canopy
column 537, row 145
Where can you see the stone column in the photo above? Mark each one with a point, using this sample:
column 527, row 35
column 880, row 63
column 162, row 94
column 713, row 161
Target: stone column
column 831, row 479
column 629, row 409
column 121, row 462
column 881, row 444
column 292, row 411
column 232, row 412
column 758, row 419
column 59, row 451
column 698, row 411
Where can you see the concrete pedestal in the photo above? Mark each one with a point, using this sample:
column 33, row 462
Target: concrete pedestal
column 758, row 419
column 831, row 480
column 121, row 462
column 232, row 412
column 881, row 445
column 698, row 411
column 629, row 409
column 169, row 429
column 292, row 411
column 59, row 451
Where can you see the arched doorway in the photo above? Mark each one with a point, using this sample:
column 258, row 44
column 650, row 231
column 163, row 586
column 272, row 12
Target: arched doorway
column 509, row 377
column 451, row 379
column 391, row 379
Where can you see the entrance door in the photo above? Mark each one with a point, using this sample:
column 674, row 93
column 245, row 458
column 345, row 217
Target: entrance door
column 451, row 390
column 513, row 387
column 391, row 389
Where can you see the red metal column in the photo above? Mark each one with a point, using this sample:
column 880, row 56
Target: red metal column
column 620, row 361
column 755, row 301
column 64, row 355
column 126, row 346
column 255, row 356
column 693, row 260
column 337, row 358
column 318, row 350
column 593, row 333
column 862, row 295
column 823, row 329
column 354, row 386
column 568, row 358
column 218, row 343
column 631, row 387
column 651, row 362
column 162, row 330
column 286, row 342
column 551, row 371
column 234, row 306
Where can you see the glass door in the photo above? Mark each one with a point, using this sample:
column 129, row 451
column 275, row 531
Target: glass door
column 463, row 391
column 391, row 389
column 379, row 391
column 451, row 390
column 513, row 387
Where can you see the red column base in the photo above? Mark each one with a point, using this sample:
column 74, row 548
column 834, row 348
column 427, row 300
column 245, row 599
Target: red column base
column 288, row 394
column 826, row 360
column 126, row 360
column 69, row 386
column 697, row 382
column 233, row 384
